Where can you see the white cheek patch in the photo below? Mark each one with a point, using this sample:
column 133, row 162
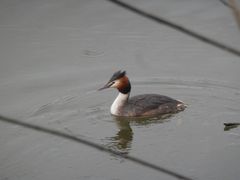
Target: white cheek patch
column 116, row 84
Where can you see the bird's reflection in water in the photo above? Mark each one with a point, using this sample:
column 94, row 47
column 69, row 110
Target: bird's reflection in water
column 123, row 139
column 124, row 136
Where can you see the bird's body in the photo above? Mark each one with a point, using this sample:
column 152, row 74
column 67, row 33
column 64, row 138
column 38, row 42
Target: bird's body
column 140, row 105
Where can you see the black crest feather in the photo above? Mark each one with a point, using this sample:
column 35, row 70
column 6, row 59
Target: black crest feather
column 117, row 75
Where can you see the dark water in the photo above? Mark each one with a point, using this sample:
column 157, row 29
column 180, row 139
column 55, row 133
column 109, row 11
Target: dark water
column 54, row 55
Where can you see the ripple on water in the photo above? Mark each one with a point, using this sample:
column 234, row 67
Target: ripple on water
column 195, row 84
column 58, row 106
column 90, row 112
column 210, row 102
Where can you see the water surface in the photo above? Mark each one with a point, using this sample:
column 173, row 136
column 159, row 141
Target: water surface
column 54, row 57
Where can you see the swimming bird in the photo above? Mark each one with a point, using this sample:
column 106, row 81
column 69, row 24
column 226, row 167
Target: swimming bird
column 140, row 105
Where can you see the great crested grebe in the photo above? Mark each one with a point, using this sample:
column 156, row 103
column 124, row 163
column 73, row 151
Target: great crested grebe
column 140, row 105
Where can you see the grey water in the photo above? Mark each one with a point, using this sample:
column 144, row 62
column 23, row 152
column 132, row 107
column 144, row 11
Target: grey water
column 54, row 55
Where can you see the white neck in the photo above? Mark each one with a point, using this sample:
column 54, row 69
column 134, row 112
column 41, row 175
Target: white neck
column 119, row 103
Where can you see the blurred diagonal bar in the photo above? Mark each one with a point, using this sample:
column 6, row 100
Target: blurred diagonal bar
column 177, row 27
column 92, row 145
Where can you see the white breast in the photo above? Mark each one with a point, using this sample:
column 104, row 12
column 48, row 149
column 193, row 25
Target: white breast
column 119, row 103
